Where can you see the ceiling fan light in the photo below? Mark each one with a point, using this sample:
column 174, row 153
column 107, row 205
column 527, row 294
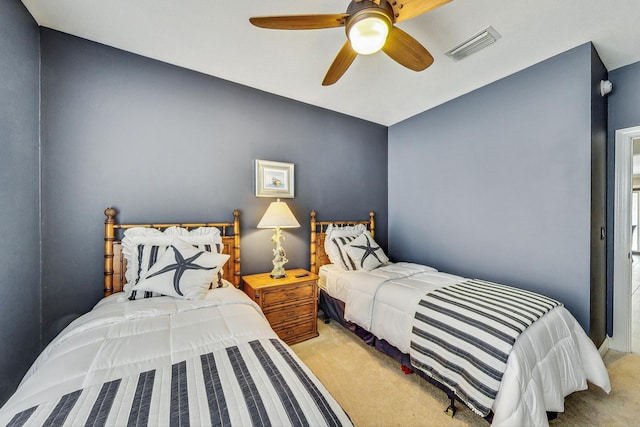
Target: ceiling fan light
column 368, row 35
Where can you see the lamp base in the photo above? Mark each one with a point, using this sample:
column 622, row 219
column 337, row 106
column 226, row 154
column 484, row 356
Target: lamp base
column 278, row 271
column 279, row 256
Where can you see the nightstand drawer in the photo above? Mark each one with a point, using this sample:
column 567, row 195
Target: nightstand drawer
column 300, row 332
column 286, row 294
column 290, row 313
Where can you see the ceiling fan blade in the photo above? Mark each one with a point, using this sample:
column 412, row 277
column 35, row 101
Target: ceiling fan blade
column 300, row 22
column 407, row 9
column 340, row 64
column 406, row 50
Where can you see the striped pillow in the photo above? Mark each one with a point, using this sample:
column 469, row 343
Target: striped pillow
column 340, row 246
column 333, row 232
column 147, row 256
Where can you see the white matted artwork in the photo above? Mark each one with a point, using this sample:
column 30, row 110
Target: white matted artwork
column 274, row 179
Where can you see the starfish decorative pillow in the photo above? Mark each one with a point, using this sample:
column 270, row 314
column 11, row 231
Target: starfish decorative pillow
column 182, row 271
column 142, row 247
column 366, row 253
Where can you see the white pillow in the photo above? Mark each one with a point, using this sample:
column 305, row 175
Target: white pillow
column 366, row 253
column 182, row 272
column 331, row 248
column 142, row 246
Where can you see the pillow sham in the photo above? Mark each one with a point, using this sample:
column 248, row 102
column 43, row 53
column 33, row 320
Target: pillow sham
column 148, row 255
column 365, row 253
column 142, row 246
column 332, row 232
column 182, row 271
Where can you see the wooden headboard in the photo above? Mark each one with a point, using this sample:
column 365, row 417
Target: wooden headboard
column 318, row 228
column 115, row 264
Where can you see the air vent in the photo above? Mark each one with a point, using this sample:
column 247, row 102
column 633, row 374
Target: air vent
column 478, row 42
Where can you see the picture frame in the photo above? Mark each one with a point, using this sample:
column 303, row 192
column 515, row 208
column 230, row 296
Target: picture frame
column 274, row 179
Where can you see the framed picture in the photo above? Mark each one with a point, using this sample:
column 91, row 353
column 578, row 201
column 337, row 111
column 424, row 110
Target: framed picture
column 274, row 179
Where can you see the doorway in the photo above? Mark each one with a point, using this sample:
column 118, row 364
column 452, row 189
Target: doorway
column 624, row 305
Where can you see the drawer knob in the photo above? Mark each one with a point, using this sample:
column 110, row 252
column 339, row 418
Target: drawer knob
column 290, row 294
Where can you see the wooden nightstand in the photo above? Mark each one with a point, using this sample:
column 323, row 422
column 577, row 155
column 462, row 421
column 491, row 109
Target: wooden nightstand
column 290, row 304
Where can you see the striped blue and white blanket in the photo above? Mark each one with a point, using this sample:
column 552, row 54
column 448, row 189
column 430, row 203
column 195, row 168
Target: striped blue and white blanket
column 463, row 334
column 258, row 383
column 164, row 361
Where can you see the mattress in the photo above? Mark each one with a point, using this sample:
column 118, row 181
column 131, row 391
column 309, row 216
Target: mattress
column 337, row 282
column 392, row 321
column 163, row 361
column 549, row 360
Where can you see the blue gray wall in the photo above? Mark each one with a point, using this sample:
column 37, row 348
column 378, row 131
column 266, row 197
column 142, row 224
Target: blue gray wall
column 161, row 143
column 624, row 100
column 19, row 194
column 624, row 112
column 496, row 184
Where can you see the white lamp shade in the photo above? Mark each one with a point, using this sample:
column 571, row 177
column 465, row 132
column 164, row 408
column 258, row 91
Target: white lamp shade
column 368, row 35
column 278, row 214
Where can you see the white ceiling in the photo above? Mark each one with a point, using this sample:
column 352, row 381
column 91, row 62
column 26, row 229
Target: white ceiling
column 216, row 38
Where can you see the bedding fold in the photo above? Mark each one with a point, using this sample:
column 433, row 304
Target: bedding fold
column 363, row 288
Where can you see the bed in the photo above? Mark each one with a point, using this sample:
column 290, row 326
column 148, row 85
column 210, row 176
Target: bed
column 508, row 354
column 173, row 342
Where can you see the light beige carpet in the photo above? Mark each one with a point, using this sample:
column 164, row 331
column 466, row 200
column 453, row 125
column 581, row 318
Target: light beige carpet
column 374, row 391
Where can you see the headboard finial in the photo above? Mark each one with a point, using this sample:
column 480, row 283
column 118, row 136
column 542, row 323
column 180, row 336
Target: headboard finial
column 110, row 213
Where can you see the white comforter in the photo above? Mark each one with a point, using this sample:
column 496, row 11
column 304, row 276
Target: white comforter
column 551, row 359
column 120, row 339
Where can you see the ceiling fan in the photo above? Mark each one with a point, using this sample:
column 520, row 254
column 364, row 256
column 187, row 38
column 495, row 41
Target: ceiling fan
column 370, row 28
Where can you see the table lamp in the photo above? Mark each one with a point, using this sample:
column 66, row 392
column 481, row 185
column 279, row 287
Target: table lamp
column 277, row 216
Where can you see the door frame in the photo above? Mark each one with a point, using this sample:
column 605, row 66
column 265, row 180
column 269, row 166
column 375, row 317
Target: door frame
column 621, row 339
column 637, row 250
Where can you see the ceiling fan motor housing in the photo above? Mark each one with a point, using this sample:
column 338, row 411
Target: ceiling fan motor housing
column 358, row 5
